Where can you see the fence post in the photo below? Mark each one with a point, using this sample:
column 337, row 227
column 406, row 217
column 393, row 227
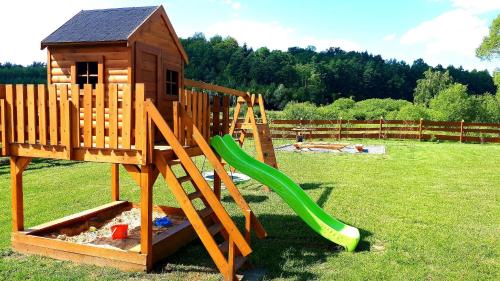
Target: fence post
column 380, row 129
column 420, row 126
column 462, row 131
column 340, row 128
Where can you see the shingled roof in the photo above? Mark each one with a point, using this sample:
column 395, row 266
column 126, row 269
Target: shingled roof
column 108, row 25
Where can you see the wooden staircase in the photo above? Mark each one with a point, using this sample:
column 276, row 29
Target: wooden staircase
column 259, row 130
column 227, row 246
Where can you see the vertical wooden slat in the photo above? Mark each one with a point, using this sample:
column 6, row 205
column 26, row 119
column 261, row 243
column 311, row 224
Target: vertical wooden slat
column 10, row 93
column 126, row 117
column 194, row 105
column 3, row 127
column 42, row 114
column 175, row 114
column 140, row 124
column 99, row 105
column 53, row 108
column 31, row 114
column 20, row 98
column 75, row 115
column 420, row 127
column 189, row 131
column 225, row 115
column 199, row 124
column 216, row 116
column 113, row 116
column 206, row 116
column 462, row 131
column 65, row 117
column 182, row 126
column 262, row 108
column 87, row 115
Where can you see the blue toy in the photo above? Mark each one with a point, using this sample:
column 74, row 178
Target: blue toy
column 163, row 222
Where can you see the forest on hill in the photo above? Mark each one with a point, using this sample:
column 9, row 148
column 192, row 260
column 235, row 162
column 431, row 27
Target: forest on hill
column 305, row 83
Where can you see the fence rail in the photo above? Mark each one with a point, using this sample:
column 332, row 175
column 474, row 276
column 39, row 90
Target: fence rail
column 387, row 129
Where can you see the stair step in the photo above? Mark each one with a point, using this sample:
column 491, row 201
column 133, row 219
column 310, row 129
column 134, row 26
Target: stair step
column 205, row 212
column 194, row 195
column 184, row 179
column 215, row 228
column 174, row 162
column 224, row 247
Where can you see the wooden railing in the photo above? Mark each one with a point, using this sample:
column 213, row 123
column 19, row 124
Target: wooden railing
column 387, row 129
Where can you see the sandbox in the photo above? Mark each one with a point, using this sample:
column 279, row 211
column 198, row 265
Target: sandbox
column 324, row 147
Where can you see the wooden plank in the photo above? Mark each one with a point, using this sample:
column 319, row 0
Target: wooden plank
column 65, row 117
column 140, row 124
column 199, row 122
column 42, row 114
column 31, row 114
column 126, row 117
column 216, row 116
column 17, row 167
column 3, row 128
column 194, row 105
column 53, row 114
column 10, row 93
column 113, row 115
column 215, row 88
column 189, row 130
column 87, row 115
column 20, row 109
column 75, row 115
column 99, row 105
column 146, row 212
column 115, row 182
column 225, row 115
column 206, row 116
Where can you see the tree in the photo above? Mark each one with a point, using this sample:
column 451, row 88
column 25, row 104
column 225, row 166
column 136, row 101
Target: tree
column 490, row 47
column 452, row 104
column 429, row 86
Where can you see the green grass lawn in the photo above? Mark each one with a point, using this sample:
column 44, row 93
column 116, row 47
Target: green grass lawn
column 425, row 211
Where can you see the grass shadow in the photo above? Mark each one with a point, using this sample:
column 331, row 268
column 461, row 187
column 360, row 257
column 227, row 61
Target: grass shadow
column 248, row 198
column 37, row 164
column 289, row 251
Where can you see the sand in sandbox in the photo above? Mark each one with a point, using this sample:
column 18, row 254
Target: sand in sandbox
column 102, row 236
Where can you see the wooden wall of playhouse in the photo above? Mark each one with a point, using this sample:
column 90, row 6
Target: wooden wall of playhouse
column 66, row 122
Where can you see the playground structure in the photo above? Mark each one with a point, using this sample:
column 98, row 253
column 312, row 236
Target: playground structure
column 123, row 100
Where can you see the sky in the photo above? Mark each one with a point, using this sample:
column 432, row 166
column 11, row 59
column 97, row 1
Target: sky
column 439, row 31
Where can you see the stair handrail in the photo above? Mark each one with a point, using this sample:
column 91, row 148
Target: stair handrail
column 153, row 116
column 250, row 218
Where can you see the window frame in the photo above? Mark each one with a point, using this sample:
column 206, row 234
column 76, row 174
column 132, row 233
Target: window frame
column 169, row 82
column 87, row 75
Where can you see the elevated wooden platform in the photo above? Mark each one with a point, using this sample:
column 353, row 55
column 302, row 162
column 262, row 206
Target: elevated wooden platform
column 118, row 125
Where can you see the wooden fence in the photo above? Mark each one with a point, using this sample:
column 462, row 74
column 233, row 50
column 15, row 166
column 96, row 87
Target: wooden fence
column 56, row 121
column 387, row 129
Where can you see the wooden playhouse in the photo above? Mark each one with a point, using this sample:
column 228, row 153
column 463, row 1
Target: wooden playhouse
column 116, row 93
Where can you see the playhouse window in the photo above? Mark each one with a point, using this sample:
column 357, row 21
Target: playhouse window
column 86, row 73
column 172, row 82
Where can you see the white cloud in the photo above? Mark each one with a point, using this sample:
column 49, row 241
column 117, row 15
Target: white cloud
column 233, row 4
column 273, row 35
column 477, row 6
column 389, row 37
column 21, row 35
column 453, row 36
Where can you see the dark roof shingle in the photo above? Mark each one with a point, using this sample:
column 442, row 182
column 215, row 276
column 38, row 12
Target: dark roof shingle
column 106, row 25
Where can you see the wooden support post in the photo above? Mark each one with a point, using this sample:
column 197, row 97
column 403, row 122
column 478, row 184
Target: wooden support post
column 380, row 129
column 248, row 225
column 146, row 213
column 420, row 128
column 340, row 128
column 17, row 167
column 231, row 257
column 462, row 131
column 115, row 182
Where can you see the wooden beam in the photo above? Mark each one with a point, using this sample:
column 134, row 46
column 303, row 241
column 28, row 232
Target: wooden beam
column 214, row 88
column 147, row 213
column 115, row 182
column 17, row 167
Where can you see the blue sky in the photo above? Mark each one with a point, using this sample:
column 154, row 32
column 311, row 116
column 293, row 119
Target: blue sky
column 439, row 31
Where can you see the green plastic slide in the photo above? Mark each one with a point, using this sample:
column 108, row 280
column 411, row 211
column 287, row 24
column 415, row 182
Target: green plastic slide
column 321, row 222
